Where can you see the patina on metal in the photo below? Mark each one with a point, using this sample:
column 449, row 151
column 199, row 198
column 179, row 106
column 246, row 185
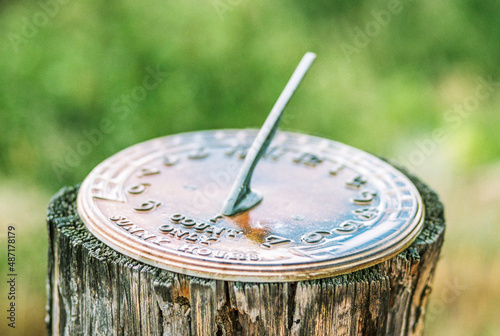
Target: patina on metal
column 242, row 198
column 328, row 208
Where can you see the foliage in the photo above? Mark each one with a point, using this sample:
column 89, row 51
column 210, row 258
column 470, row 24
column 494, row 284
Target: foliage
column 225, row 63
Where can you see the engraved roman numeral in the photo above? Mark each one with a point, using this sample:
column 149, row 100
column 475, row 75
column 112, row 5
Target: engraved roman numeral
column 336, row 168
column 357, row 182
column 308, row 159
column 199, row 153
column 274, row 153
column 240, row 151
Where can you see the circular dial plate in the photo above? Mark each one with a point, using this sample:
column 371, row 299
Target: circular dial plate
column 328, row 208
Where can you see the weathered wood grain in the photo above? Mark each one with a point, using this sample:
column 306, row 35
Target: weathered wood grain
column 93, row 290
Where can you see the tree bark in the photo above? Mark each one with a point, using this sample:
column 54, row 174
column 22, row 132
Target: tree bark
column 94, row 290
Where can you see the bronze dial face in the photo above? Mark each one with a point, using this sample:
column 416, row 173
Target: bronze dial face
column 327, row 208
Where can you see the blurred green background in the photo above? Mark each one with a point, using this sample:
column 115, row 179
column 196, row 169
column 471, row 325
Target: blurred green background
column 415, row 81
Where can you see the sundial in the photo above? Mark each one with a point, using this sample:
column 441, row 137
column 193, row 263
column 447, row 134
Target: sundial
column 252, row 205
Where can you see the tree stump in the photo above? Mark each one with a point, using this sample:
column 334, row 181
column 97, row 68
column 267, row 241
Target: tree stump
column 94, row 290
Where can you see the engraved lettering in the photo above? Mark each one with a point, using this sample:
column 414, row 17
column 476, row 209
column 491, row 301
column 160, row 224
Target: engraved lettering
column 237, row 256
column 148, row 206
column 188, row 248
column 207, row 240
column 192, row 238
column 172, row 231
column 148, row 235
column 188, row 222
column 348, row 226
column 137, row 231
column 114, row 194
column 336, row 168
column 218, row 231
column 170, row 160
column 199, row 153
column 160, row 241
column 366, row 197
column 176, row 218
column 215, row 219
column 356, row 183
column 147, row 171
column 124, row 222
column 143, row 234
column 165, row 228
column 308, row 159
column 274, row 153
column 201, row 226
column 133, row 228
column 322, row 249
column 210, row 232
column 240, row 150
column 220, row 254
column 138, row 188
column 178, row 233
column 315, row 237
column 273, row 240
column 366, row 213
column 254, row 256
column 232, row 233
column 204, row 252
column 121, row 221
